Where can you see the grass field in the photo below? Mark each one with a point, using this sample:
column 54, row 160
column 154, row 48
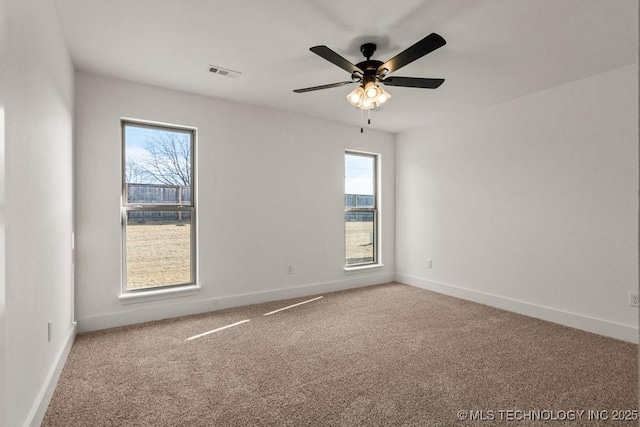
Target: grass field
column 359, row 247
column 160, row 254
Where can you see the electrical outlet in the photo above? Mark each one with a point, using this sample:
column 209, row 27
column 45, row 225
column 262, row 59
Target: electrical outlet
column 290, row 269
column 634, row 299
column 429, row 263
column 49, row 330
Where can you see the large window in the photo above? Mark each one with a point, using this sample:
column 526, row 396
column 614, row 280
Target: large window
column 158, row 207
column 360, row 208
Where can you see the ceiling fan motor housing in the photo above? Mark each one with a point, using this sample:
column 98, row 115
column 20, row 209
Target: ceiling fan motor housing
column 369, row 66
column 368, row 49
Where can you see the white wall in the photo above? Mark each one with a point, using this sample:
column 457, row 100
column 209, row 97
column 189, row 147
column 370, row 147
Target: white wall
column 38, row 86
column 531, row 205
column 2, row 214
column 270, row 191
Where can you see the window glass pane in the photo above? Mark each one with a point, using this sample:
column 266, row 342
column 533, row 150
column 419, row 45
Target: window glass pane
column 359, row 237
column 157, row 165
column 158, row 248
column 360, row 203
column 359, row 182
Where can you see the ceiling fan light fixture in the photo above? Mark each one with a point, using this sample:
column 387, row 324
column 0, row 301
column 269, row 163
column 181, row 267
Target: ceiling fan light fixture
column 367, row 104
column 360, row 96
column 356, row 96
column 383, row 96
column 371, row 89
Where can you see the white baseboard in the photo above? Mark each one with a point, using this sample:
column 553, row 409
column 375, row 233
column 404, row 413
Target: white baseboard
column 39, row 408
column 574, row 320
column 177, row 307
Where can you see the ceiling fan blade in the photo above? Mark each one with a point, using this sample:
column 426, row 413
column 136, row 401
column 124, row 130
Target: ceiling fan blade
column 413, row 82
column 336, row 59
column 428, row 44
column 309, row 89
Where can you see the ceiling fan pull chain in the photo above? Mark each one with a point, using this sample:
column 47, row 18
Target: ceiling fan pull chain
column 368, row 117
column 361, row 119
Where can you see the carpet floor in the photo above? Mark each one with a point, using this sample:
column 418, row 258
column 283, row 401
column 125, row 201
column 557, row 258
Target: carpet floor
column 381, row 355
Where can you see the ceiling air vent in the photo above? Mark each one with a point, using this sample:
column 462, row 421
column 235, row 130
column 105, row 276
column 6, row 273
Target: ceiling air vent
column 224, row 71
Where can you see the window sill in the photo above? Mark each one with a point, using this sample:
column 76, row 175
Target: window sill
column 362, row 268
column 157, row 294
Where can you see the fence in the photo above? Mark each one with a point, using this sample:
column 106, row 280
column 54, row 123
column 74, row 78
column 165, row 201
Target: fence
column 158, row 194
column 358, row 201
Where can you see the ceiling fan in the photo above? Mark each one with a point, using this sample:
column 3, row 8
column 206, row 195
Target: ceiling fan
column 369, row 95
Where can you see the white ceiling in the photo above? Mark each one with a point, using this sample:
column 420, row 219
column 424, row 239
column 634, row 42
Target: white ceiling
column 496, row 50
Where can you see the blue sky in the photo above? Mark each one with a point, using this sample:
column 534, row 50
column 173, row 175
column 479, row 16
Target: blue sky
column 358, row 172
column 135, row 136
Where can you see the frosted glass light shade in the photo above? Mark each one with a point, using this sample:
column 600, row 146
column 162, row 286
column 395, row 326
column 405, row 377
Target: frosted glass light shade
column 368, row 97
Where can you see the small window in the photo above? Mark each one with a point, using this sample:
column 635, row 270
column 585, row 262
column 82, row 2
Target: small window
column 361, row 209
column 158, row 206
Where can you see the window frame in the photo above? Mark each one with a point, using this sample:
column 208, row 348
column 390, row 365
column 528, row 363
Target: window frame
column 126, row 207
column 375, row 210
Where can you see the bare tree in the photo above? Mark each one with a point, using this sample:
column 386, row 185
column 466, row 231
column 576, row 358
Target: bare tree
column 134, row 173
column 167, row 160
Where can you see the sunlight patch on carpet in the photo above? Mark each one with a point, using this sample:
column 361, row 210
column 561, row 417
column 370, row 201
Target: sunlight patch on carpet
column 291, row 306
column 218, row 329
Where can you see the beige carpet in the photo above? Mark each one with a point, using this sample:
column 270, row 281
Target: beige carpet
column 383, row 355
